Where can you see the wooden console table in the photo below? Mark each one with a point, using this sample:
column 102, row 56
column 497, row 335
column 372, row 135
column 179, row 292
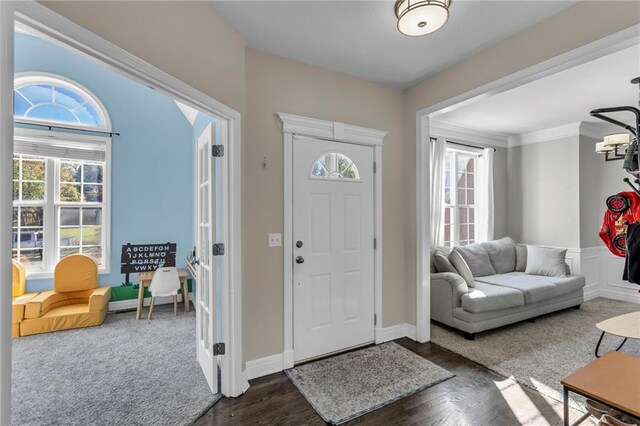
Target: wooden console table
column 144, row 280
column 613, row 380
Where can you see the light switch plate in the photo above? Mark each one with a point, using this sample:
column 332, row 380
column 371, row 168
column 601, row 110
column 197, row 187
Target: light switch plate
column 275, row 240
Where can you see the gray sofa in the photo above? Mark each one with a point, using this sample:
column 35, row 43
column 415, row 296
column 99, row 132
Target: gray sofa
column 501, row 298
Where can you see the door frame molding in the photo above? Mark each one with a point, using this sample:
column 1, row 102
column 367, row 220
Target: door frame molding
column 295, row 125
column 577, row 56
column 66, row 32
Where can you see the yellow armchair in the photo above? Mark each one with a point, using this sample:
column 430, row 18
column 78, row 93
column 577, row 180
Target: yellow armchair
column 19, row 297
column 76, row 300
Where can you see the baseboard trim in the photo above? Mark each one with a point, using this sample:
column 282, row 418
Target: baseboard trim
column 124, row 305
column 264, row 366
column 394, row 332
column 620, row 295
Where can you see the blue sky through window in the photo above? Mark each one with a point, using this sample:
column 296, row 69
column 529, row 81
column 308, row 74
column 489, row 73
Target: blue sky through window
column 51, row 102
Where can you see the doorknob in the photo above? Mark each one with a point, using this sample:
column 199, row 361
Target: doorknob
column 299, row 259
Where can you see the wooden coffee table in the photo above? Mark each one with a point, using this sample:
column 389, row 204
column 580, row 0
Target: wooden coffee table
column 613, row 380
column 626, row 326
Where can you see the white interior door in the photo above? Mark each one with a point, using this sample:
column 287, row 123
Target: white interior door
column 333, row 247
column 207, row 268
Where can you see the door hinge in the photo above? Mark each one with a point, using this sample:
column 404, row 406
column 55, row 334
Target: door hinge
column 375, row 167
column 217, row 150
column 375, row 319
column 375, row 243
column 218, row 249
column 218, row 348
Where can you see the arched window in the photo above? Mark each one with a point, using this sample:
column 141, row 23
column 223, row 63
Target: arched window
column 334, row 165
column 45, row 98
column 60, row 179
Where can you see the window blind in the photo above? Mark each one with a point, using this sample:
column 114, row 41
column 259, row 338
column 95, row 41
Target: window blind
column 89, row 150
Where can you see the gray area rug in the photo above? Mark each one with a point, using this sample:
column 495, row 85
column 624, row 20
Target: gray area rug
column 346, row 386
column 541, row 354
column 125, row 372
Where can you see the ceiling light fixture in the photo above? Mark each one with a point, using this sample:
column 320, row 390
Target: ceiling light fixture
column 421, row 17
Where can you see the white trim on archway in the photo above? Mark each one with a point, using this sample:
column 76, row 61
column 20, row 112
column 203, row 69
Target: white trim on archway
column 63, row 31
column 607, row 45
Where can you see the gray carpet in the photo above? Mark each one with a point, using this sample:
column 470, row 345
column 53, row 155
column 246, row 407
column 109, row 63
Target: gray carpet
column 346, row 386
column 125, row 372
column 540, row 354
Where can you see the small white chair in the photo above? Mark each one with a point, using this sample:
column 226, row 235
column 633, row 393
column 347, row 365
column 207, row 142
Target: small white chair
column 165, row 282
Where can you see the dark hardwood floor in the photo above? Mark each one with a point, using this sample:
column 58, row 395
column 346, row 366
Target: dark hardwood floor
column 476, row 396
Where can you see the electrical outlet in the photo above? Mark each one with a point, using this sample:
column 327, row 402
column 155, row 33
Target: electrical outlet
column 275, row 240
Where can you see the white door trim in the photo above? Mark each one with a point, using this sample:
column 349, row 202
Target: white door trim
column 338, row 132
column 610, row 44
column 61, row 30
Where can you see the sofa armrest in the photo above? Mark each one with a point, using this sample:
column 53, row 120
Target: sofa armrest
column 458, row 285
column 99, row 298
column 40, row 305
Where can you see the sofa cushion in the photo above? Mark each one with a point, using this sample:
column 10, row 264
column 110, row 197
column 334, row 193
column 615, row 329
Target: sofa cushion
column 486, row 297
column 442, row 263
column 521, row 257
column 546, row 261
column 461, row 266
column 536, row 288
column 477, row 259
column 502, row 254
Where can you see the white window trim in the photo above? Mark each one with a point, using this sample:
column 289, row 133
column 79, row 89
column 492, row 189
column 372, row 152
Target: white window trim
column 52, row 204
column 22, row 79
column 455, row 240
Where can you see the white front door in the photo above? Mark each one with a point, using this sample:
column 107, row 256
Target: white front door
column 207, row 268
column 333, row 247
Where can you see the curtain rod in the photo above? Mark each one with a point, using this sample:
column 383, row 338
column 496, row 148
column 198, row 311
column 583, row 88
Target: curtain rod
column 51, row 127
column 462, row 144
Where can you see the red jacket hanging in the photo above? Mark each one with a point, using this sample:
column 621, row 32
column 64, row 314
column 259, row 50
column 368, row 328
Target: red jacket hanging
column 622, row 207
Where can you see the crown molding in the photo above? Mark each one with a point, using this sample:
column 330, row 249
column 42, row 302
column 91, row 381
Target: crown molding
column 453, row 131
column 332, row 130
column 598, row 130
column 568, row 130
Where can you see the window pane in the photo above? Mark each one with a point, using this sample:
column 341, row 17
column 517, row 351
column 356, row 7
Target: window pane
column 88, row 115
column 334, row 166
column 91, row 236
column 37, row 93
column 69, row 192
column 31, row 216
column 70, row 217
column 91, row 217
column 68, row 98
column 32, row 170
column 462, row 215
column 447, row 215
column 32, row 260
column 461, row 197
column 470, row 180
column 472, row 233
column 472, row 218
column 470, row 196
column 33, row 191
column 447, row 233
column 95, row 252
column 64, row 252
column 20, row 105
column 69, row 237
column 464, row 235
column 16, row 191
column 47, row 112
column 16, row 168
column 70, row 172
column 92, row 193
column 92, row 173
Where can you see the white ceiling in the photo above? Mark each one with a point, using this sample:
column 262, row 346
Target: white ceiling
column 360, row 37
column 556, row 100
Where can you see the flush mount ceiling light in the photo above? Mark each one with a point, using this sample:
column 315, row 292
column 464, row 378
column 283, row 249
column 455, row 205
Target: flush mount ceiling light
column 421, row 17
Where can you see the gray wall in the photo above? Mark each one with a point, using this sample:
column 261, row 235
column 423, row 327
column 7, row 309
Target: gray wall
column 592, row 200
column 543, row 193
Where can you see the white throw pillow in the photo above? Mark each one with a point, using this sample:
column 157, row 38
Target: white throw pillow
column 549, row 262
column 461, row 266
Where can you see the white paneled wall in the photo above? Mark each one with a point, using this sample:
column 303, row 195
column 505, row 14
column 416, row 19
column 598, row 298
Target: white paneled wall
column 603, row 274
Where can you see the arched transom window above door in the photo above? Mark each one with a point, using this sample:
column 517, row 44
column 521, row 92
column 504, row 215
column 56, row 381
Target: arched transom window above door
column 45, row 98
column 334, row 165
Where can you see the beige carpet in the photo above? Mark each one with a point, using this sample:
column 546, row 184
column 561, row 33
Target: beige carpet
column 540, row 354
